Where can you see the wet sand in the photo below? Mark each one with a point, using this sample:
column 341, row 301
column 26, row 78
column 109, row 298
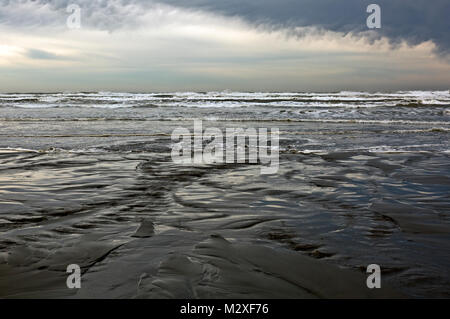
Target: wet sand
column 139, row 226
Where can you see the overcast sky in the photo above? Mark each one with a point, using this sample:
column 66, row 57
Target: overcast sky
column 204, row 45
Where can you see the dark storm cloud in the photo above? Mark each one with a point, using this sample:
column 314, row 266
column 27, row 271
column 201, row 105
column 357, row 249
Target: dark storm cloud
column 415, row 21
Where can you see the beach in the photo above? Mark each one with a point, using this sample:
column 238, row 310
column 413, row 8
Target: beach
column 88, row 179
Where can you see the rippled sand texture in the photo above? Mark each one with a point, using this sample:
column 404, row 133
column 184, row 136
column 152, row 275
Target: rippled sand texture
column 97, row 187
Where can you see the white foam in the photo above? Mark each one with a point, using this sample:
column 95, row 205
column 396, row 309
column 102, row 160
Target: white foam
column 227, row 99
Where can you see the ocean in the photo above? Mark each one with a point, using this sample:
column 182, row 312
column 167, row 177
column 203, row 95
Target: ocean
column 88, row 179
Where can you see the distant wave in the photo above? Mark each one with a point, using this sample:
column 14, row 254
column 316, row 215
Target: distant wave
column 114, row 100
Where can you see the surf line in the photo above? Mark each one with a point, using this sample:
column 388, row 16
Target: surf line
column 191, row 309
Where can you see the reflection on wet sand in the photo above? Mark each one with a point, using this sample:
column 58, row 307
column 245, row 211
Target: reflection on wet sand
column 141, row 226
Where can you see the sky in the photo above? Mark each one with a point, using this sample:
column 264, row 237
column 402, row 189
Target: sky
column 211, row 45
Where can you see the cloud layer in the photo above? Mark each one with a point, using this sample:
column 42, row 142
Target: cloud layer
column 277, row 45
column 414, row 21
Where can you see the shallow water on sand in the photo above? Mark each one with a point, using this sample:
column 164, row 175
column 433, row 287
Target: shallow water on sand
column 363, row 179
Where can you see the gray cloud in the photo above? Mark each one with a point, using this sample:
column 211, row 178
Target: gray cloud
column 414, row 21
column 100, row 14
